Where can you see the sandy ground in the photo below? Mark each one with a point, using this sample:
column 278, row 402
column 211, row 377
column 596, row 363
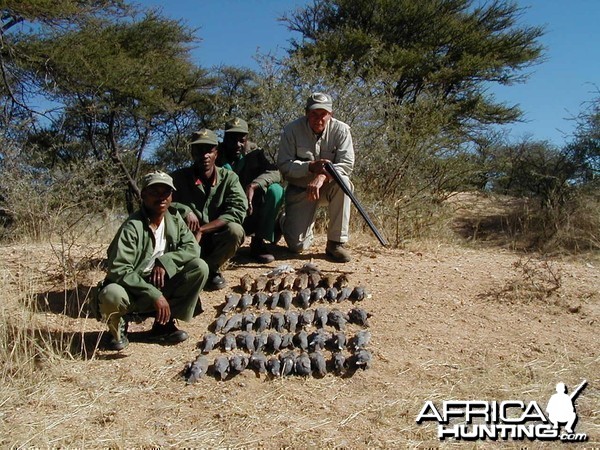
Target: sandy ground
column 449, row 322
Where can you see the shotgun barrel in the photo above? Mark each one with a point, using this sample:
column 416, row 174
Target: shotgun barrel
column 336, row 176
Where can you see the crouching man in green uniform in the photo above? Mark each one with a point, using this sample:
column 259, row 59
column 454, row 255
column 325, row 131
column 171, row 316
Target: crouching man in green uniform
column 261, row 181
column 154, row 266
column 213, row 204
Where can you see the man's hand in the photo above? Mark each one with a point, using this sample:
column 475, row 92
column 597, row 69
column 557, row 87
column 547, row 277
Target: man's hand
column 163, row 310
column 250, row 195
column 158, row 276
column 192, row 222
column 314, row 187
column 318, row 166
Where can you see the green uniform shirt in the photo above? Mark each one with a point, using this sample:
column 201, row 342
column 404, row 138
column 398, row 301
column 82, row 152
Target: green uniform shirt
column 226, row 200
column 131, row 249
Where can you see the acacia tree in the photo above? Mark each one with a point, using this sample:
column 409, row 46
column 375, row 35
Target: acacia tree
column 122, row 84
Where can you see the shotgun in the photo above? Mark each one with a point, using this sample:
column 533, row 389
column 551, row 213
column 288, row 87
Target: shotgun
column 336, row 176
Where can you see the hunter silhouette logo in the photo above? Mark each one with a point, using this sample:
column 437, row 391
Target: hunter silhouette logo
column 561, row 406
column 511, row 419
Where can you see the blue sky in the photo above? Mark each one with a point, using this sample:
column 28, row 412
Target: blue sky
column 233, row 31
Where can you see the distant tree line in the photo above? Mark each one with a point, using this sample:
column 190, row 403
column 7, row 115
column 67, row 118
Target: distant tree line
column 93, row 94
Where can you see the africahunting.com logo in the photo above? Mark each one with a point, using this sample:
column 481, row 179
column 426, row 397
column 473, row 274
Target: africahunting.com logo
column 512, row 419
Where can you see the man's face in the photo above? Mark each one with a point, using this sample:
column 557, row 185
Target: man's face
column 234, row 144
column 204, row 156
column 317, row 119
column 157, row 198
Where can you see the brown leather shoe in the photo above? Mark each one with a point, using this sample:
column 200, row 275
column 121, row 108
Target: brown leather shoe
column 337, row 252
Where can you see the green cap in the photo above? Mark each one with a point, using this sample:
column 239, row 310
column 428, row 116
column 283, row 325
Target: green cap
column 157, row 177
column 318, row 100
column 236, row 125
column 204, row 136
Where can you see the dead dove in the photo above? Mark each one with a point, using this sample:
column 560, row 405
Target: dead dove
column 245, row 340
column 302, row 365
column 237, row 363
column 285, row 299
column 304, row 298
column 331, row 294
column 246, row 282
column 283, row 269
column 209, row 341
column 342, row 281
column 288, row 360
column 274, row 300
column 338, row 340
column 359, row 316
column 231, row 301
column 328, row 280
column 258, row 362
column 260, row 342
column 278, row 322
column 359, row 293
column 287, row 340
column 314, row 278
column 317, row 340
column 308, row 317
column 260, row 299
column 301, row 281
column 309, row 268
column 263, row 322
column 228, row 342
column 221, row 366
column 245, row 301
column 321, row 314
column 273, row 283
column 260, row 283
column 274, row 366
column 361, row 359
column 291, row 320
column 317, row 294
column 196, row 370
column 344, row 294
column 220, row 323
column 274, row 342
column 361, row 339
column 338, row 362
column 248, row 321
column 234, row 323
column 318, row 363
column 287, row 282
column 301, row 340
column 338, row 319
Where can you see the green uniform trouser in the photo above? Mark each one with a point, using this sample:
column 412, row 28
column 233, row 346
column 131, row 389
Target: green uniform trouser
column 181, row 292
column 265, row 208
column 219, row 247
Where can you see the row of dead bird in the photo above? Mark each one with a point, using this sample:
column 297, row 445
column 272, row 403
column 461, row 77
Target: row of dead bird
column 286, row 277
column 285, row 364
column 286, row 298
column 291, row 320
column 274, row 342
column 293, row 350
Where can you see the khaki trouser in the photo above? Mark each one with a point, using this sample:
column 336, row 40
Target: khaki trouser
column 299, row 220
column 181, row 292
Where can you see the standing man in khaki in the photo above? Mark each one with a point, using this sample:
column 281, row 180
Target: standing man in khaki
column 306, row 145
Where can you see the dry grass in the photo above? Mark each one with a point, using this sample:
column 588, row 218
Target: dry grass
column 449, row 322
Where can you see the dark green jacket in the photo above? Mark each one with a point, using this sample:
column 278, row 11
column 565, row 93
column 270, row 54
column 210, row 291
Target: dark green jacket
column 226, row 200
column 254, row 166
column 133, row 245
